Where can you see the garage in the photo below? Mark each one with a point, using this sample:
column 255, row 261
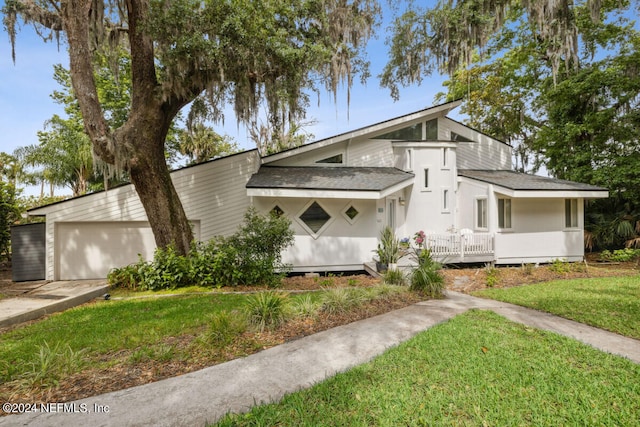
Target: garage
column 88, row 250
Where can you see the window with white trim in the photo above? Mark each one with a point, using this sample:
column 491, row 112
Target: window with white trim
column 314, row 218
column 482, row 222
column 504, row 213
column 351, row 213
column 425, row 179
column 445, row 200
column 571, row 213
column 277, row 211
column 445, row 157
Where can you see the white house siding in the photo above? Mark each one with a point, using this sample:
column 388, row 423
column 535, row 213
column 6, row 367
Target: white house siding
column 371, row 152
column 468, row 193
column 340, row 246
column 424, row 207
column 356, row 152
column 484, row 153
column 538, row 232
column 213, row 196
column 309, row 158
column 214, row 193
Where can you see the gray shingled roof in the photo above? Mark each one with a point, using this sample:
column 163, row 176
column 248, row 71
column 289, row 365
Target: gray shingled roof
column 522, row 181
column 328, row 178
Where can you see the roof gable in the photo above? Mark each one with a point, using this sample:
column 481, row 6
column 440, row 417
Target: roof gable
column 376, row 128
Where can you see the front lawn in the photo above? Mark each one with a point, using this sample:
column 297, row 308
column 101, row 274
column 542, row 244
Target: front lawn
column 611, row 303
column 476, row 369
column 110, row 345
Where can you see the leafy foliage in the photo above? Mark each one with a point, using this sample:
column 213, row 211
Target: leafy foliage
column 558, row 80
column 9, row 215
column 237, row 53
column 621, row 255
column 251, row 256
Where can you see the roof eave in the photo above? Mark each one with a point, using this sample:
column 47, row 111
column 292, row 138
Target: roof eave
column 328, row 193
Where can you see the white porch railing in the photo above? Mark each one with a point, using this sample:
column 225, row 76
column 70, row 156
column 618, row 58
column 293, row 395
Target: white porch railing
column 456, row 247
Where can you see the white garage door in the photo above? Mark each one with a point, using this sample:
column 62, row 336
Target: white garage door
column 88, row 250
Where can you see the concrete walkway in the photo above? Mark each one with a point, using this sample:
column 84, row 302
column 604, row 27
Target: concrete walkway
column 202, row 397
column 33, row 300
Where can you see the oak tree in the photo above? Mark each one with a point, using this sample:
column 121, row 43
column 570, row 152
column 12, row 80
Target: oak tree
column 241, row 52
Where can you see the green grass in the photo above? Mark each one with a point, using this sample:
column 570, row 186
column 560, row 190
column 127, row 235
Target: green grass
column 476, row 369
column 111, row 326
column 105, row 334
column 611, row 303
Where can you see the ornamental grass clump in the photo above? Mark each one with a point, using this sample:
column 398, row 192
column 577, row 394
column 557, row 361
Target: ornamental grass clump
column 267, row 309
column 427, row 277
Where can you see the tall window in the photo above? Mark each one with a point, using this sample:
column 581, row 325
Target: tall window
column 504, row 213
column 445, row 157
column 571, row 213
column 481, row 214
column 445, row 200
column 431, row 130
column 425, row 181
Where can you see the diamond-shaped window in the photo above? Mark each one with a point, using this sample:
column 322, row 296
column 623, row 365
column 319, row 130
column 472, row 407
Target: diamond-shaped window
column 315, row 217
column 351, row 212
column 277, row 211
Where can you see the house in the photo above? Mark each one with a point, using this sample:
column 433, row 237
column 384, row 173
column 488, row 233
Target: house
column 422, row 171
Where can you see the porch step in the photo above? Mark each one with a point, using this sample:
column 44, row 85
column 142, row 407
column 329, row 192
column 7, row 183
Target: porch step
column 370, row 268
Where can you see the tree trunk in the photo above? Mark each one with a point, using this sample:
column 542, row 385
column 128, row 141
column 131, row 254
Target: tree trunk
column 138, row 145
column 152, row 180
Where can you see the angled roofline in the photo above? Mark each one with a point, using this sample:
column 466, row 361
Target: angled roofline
column 479, row 131
column 32, row 212
column 446, row 107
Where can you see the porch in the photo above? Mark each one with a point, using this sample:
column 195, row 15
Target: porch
column 451, row 248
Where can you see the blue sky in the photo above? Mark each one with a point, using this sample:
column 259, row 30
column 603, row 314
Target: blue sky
column 26, row 86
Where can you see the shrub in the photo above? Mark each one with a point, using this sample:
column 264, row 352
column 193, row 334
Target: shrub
column 560, row 266
column 426, row 277
column 528, row 269
column 127, row 277
column 305, row 306
column 251, row 256
column 621, row 255
column 266, row 309
column 341, row 300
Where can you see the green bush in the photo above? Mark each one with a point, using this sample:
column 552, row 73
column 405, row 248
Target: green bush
column 341, row 300
column 251, row 256
column 621, row 255
column 560, row 266
column 427, row 277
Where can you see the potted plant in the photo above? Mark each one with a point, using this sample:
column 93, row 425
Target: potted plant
column 388, row 251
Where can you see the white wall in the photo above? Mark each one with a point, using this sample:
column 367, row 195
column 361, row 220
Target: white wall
column 484, row 153
column 340, row 246
column 425, row 209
